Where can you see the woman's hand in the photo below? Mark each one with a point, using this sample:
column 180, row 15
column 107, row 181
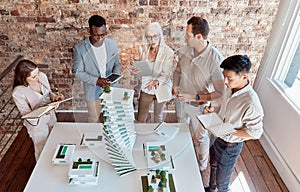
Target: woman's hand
column 133, row 69
column 152, row 84
column 59, row 97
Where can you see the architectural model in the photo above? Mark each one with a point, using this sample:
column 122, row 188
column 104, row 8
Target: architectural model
column 157, row 156
column 63, row 153
column 158, row 181
column 92, row 139
column 118, row 129
column 84, row 172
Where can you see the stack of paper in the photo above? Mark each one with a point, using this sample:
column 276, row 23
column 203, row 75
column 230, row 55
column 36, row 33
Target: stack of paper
column 84, row 172
column 63, row 153
column 118, row 129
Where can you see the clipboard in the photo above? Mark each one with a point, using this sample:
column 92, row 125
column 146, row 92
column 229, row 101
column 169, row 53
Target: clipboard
column 37, row 113
column 144, row 66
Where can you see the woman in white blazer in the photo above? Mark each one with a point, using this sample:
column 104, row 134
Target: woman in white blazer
column 31, row 89
column 158, row 87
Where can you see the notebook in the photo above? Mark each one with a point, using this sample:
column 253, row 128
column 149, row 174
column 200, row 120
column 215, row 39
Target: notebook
column 213, row 123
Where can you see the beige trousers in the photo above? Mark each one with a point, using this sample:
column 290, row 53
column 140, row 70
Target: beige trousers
column 94, row 110
column 145, row 101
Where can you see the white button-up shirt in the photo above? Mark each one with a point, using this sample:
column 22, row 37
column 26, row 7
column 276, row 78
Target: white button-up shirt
column 242, row 109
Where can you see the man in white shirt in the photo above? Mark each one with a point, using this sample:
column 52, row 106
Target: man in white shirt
column 197, row 81
column 94, row 59
column 240, row 107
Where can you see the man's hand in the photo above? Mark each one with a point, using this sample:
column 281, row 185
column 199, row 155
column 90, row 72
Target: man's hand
column 186, row 97
column 103, row 82
column 175, row 91
column 208, row 109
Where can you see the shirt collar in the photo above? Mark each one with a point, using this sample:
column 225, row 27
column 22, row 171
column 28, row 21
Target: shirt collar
column 204, row 53
column 243, row 90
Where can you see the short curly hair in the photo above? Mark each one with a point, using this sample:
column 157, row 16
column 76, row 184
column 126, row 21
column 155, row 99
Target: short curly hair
column 96, row 20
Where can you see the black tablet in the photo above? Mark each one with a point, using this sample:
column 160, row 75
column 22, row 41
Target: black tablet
column 113, row 77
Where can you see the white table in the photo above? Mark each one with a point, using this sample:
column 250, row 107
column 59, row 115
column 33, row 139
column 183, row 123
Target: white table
column 48, row 177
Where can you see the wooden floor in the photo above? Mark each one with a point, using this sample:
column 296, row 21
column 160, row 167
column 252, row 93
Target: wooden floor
column 254, row 171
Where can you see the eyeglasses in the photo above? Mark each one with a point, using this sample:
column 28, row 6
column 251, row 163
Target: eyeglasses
column 154, row 37
column 100, row 35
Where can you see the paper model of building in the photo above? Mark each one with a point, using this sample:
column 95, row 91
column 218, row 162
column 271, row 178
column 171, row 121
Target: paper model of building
column 84, row 172
column 63, row 153
column 118, row 129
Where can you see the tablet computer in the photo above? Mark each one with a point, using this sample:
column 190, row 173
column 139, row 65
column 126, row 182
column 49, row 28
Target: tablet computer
column 114, row 77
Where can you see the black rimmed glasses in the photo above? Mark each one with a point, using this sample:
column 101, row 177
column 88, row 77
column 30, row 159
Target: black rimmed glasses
column 100, row 35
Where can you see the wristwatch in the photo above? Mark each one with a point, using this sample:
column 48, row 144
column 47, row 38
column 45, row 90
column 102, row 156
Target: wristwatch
column 197, row 97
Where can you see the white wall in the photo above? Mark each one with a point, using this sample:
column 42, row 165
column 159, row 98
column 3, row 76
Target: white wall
column 281, row 138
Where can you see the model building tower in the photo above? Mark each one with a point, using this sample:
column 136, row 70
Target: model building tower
column 118, row 129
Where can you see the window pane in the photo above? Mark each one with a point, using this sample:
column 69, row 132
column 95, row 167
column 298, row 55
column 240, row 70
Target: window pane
column 294, row 69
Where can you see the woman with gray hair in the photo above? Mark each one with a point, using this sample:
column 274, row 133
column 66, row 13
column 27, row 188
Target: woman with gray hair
column 158, row 87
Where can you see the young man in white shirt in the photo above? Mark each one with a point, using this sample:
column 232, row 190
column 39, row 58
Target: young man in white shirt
column 240, row 107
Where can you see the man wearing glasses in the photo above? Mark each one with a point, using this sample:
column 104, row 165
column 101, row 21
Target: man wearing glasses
column 94, row 59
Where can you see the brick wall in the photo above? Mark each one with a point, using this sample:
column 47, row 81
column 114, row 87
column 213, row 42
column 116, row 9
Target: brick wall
column 45, row 31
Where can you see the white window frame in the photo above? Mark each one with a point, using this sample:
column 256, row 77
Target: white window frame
column 285, row 58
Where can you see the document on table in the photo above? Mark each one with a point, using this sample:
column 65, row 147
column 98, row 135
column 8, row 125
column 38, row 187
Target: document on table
column 166, row 130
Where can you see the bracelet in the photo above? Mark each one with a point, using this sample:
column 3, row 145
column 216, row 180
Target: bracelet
column 197, row 97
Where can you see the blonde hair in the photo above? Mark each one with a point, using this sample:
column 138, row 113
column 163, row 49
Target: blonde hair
column 145, row 46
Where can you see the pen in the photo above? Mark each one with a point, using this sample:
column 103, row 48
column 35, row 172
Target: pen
column 82, row 139
column 158, row 125
column 172, row 163
column 144, row 149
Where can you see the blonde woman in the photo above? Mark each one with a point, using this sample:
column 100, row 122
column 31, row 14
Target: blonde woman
column 158, row 87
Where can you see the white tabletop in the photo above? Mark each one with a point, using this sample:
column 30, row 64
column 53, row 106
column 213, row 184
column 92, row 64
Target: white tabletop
column 48, row 177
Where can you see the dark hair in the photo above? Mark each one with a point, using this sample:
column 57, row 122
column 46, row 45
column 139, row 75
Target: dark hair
column 200, row 26
column 237, row 63
column 22, row 71
column 97, row 21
